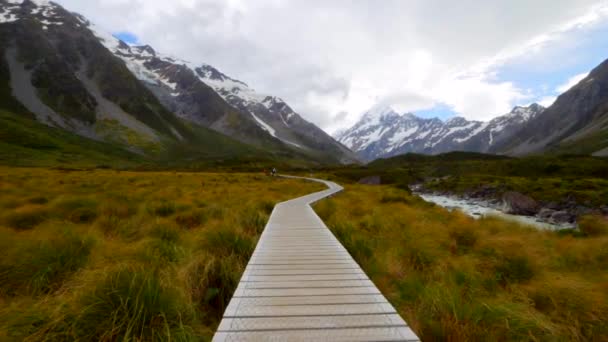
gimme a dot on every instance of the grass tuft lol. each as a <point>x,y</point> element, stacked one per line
<point>162,208</point>
<point>593,225</point>
<point>42,265</point>
<point>76,209</point>
<point>191,219</point>
<point>132,304</point>
<point>225,242</point>
<point>26,218</point>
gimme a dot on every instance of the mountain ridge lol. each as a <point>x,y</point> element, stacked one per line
<point>72,75</point>
<point>183,86</point>
<point>382,132</point>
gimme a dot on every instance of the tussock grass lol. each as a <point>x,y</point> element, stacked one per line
<point>133,304</point>
<point>40,264</point>
<point>454,278</point>
<point>26,218</point>
<point>593,225</point>
<point>140,256</point>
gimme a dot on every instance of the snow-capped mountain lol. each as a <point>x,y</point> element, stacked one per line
<point>272,114</point>
<point>501,129</point>
<point>184,88</point>
<point>382,132</point>
<point>70,74</point>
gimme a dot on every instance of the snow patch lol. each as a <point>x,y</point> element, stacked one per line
<point>109,41</point>
<point>7,17</point>
<point>372,137</point>
<point>271,130</point>
<point>401,134</point>
<point>264,125</point>
<point>168,83</point>
<point>473,133</point>
<point>453,130</point>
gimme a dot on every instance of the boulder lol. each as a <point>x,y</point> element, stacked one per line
<point>552,206</point>
<point>484,191</point>
<point>582,210</point>
<point>545,213</point>
<point>561,217</point>
<point>371,180</point>
<point>519,204</point>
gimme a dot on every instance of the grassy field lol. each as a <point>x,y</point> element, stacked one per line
<point>454,278</point>
<point>110,255</point>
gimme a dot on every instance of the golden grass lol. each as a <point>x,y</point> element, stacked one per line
<point>109,255</point>
<point>454,278</point>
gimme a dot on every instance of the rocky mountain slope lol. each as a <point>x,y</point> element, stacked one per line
<point>70,74</point>
<point>577,122</point>
<point>382,132</point>
<point>188,89</point>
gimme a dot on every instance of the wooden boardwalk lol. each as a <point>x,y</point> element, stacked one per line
<point>302,285</point>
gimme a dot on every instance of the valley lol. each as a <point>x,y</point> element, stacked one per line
<point>457,198</point>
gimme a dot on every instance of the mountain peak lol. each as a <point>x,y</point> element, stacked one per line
<point>526,113</point>
<point>379,112</point>
<point>456,121</point>
<point>208,72</point>
<point>146,49</point>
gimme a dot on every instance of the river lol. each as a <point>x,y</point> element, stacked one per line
<point>478,209</point>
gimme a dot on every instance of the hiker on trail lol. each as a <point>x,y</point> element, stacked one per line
<point>274,171</point>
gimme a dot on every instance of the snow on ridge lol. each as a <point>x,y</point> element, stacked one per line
<point>225,86</point>
<point>473,133</point>
<point>379,111</point>
<point>8,17</point>
<point>401,134</point>
<point>44,6</point>
<point>271,130</point>
<point>453,130</point>
<point>372,137</point>
<point>264,125</point>
<point>109,41</point>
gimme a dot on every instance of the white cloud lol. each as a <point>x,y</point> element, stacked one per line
<point>572,81</point>
<point>327,58</point>
<point>547,101</point>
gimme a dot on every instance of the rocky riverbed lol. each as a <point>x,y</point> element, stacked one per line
<point>513,206</point>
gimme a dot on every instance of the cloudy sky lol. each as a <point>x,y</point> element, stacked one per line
<point>333,60</point>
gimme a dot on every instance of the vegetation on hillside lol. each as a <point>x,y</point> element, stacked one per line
<point>111,255</point>
<point>26,142</point>
<point>454,278</point>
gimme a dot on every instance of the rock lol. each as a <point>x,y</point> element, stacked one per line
<point>545,213</point>
<point>519,204</point>
<point>371,180</point>
<point>582,210</point>
<point>552,206</point>
<point>561,217</point>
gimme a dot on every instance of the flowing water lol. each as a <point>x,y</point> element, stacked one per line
<point>479,209</point>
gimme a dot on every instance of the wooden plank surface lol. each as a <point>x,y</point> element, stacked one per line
<point>302,285</point>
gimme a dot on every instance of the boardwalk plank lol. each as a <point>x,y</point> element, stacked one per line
<point>301,284</point>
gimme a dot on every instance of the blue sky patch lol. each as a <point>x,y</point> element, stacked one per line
<point>440,111</point>
<point>127,37</point>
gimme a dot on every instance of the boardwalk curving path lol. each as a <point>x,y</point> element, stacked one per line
<point>302,285</point>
